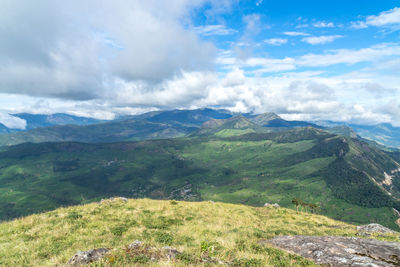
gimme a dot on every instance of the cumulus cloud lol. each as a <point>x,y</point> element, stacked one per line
<point>387,18</point>
<point>66,49</point>
<point>276,41</point>
<point>316,40</point>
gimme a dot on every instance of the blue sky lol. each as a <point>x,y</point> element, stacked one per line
<point>309,60</point>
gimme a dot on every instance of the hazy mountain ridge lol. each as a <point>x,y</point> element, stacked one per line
<point>383,133</point>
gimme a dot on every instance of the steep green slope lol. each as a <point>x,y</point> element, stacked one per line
<point>204,232</point>
<point>344,177</point>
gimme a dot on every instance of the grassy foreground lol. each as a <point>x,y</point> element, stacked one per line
<point>200,230</point>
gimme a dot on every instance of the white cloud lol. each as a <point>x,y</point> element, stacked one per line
<point>63,49</point>
<point>349,56</point>
<point>316,40</point>
<point>323,24</point>
<point>295,33</point>
<point>253,24</point>
<point>276,41</point>
<point>209,30</point>
<point>387,18</point>
<point>358,25</point>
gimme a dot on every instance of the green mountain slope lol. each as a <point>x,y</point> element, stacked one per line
<point>344,177</point>
<point>204,232</point>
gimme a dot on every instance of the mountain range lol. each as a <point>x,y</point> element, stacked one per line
<point>169,124</point>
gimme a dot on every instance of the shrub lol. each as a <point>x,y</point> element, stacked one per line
<point>119,230</point>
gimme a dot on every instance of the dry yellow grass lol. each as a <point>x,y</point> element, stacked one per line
<point>226,232</point>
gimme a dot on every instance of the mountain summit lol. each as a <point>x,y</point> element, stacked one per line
<point>235,123</point>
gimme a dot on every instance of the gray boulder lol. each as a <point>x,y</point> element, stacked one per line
<point>369,229</point>
<point>86,257</point>
<point>135,244</point>
<point>340,251</point>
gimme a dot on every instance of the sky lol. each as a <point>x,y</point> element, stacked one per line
<point>305,60</point>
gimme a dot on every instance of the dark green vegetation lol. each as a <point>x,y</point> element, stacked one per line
<point>230,162</point>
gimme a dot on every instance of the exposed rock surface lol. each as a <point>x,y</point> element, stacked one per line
<point>135,244</point>
<point>112,199</point>
<point>86,257</point>
<point>340,251</point>
<point>373,228</point>
<point>275,205</point>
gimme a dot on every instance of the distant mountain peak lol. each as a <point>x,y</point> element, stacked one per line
<point>265,118</point>
<point>238,122</point>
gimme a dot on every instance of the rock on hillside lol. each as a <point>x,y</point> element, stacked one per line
<point>86,257</point>
<point>340,251</point>
<point>374,228</point>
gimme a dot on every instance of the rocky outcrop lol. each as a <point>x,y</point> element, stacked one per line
<point>366,230</point>
<point>113,199</point>
<point>340,251</point>
<point>86,257</point>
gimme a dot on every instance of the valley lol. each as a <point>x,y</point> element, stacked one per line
<point>231,161</point>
